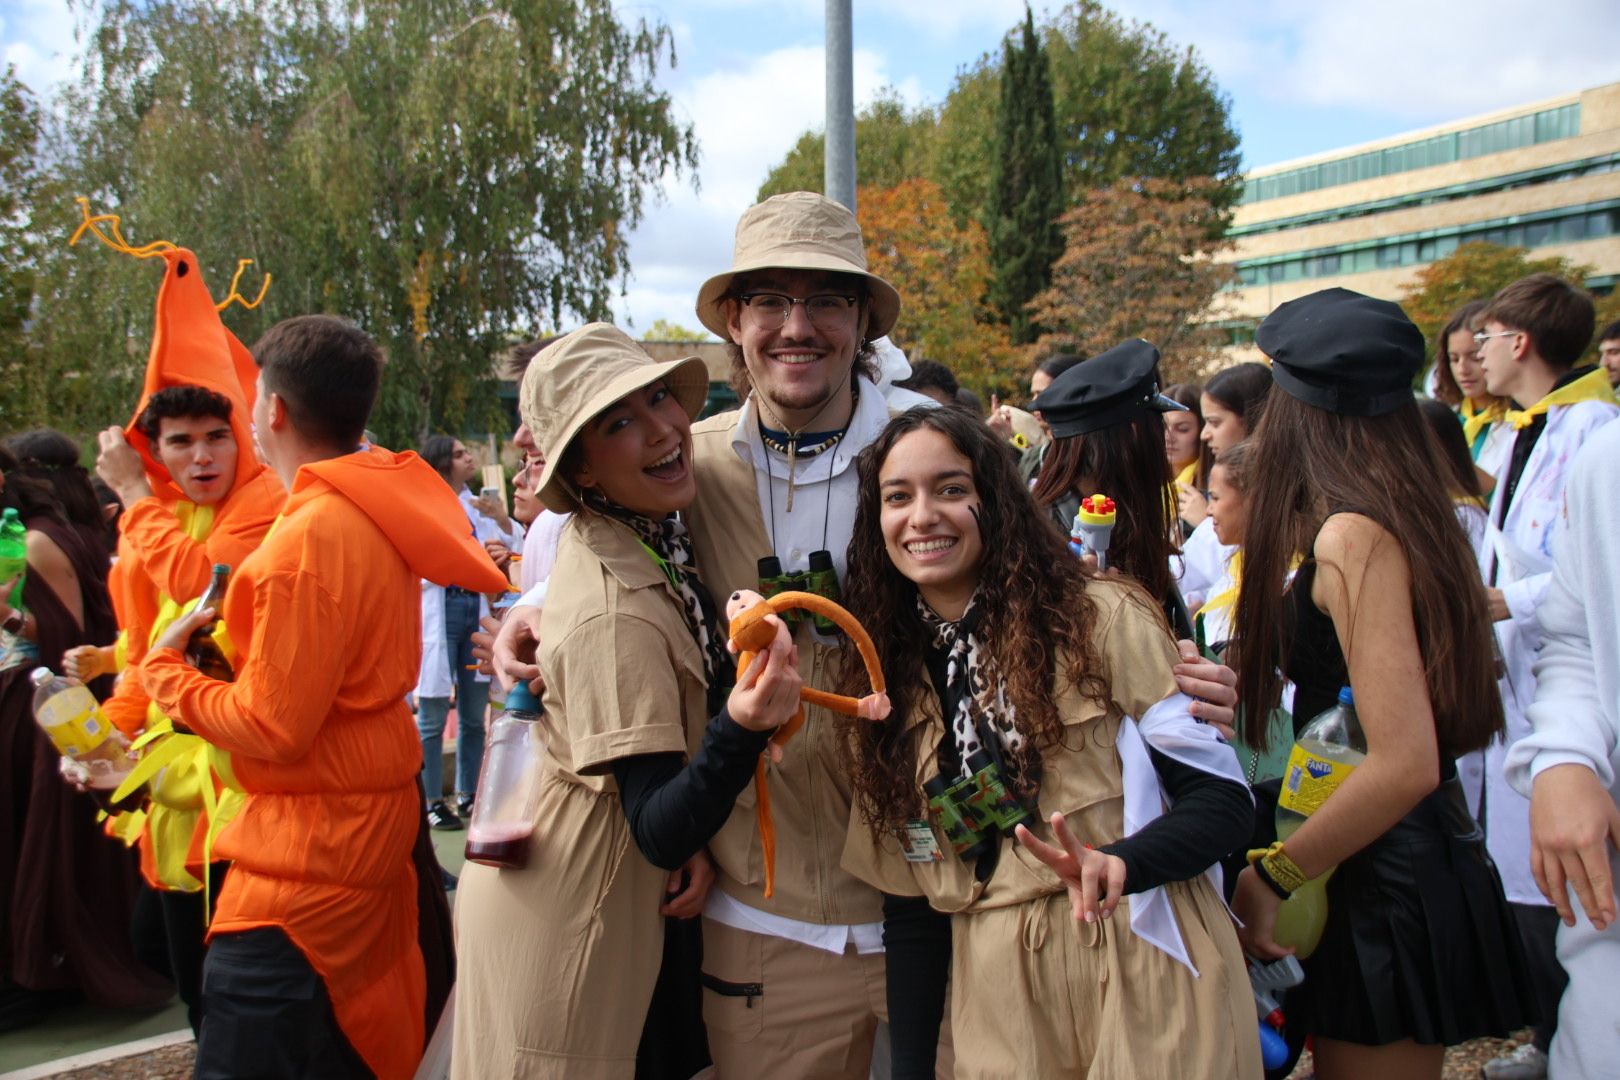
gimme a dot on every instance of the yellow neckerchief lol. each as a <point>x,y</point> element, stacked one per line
<point>1475,421</point>
<point>180,769</point>
<point>1227,598</point>
<point>1188,474</point>
<point>1593,386</point>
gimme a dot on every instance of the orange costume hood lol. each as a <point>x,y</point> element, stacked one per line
<point>192,347</point>
<point>414,508</point>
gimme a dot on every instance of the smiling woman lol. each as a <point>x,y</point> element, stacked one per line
<point>645,752</point>
<point>1033,704</point>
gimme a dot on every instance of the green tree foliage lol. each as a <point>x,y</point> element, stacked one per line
<point>892,143</point>
<point>1128,103</point>
<point>1126,272</point>
<point>448,173</point>
<point>665,330</point>
<point>941,268</point>
<point>1475,272</point>
<point>20,384</point>
<point>1026,191</point>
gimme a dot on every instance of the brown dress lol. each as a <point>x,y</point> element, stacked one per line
<point>66,889</point>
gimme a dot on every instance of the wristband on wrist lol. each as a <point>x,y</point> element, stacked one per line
<point>1277,869</point>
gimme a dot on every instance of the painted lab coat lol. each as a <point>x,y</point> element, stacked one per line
<point>1520,554</point>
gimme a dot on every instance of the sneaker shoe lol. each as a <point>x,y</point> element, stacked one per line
<point>464,804</point>
<point>442,817</point>
<point>1523,1062</point>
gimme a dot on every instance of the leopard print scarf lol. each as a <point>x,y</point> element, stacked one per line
<point>972,706</point>
<point>670,542</point>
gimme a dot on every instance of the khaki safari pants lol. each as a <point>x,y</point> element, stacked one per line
<point>778,1008</point>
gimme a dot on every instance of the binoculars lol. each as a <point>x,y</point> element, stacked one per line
<point>974,810</point>
<point>821,579</point>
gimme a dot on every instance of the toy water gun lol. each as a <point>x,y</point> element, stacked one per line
<point>1093,527</point>
<point>1268,981</point>
<point>753,631</point>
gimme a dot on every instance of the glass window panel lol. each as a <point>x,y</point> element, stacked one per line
<point>1538,233</point>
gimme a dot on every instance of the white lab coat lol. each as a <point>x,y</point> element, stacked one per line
<point>1520,555</point>
<point>1577,721</point>
<point>435,679</point>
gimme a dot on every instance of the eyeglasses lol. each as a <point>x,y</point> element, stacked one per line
<point>771,310</point>
<point>1481,336</point>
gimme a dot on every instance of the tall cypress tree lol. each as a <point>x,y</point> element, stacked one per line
<point>1026,189</point>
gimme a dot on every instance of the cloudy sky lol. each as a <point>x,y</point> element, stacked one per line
<point>1303,78</point>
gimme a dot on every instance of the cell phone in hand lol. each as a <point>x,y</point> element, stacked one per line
<point>490,493</point>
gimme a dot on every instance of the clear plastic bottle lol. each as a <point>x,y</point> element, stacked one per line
<point>202,651</point>
<point>501,828</point>
<point>1328,749</point>
<point>67,712</point>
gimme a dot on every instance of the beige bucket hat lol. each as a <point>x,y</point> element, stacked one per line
<point>799,231</point>
<point>580,374</point>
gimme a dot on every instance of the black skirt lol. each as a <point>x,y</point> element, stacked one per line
<point>1420,942</point>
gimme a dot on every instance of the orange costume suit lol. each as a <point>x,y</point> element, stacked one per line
<point>325,617</point>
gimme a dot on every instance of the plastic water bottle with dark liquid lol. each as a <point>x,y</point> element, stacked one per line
<point>501,829</point>
<point>203,651</point>
<point>1327,750</point>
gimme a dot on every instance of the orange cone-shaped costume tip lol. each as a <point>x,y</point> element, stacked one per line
<point>190,345</point>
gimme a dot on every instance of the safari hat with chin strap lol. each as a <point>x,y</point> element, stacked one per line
<point>799,231</point>
<point>576,377</point>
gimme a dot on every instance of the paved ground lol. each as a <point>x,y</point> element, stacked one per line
<point>84,1029</point>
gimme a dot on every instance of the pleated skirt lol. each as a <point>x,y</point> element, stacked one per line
<point>1420,942</point>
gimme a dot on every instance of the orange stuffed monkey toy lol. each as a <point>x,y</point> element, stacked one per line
<point>752,632</point>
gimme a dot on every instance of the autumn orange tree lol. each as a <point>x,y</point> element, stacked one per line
<point>942,269</point>
<point>1475,272</point>
<point>1138,261</point>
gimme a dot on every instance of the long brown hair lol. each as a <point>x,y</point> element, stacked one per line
<point>1445,383</point>
<point>1033,605</point>
<point>1310,463</point>
<point>1191,395</point>
<point>1126,462</point>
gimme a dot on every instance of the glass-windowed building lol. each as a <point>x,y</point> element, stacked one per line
<point>1544,176</point>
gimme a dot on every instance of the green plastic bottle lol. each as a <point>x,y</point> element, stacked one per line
<point>1327,750</point>
<point>13,554</point>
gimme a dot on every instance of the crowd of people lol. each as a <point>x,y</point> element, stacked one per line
<point>1053,852</point>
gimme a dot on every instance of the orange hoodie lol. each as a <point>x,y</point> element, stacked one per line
<point>326,617</point>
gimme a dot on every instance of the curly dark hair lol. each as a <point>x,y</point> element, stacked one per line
<point>183,400</point>
<point>1035,609</point>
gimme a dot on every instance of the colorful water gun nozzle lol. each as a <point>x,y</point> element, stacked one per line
<point>1093,527</point>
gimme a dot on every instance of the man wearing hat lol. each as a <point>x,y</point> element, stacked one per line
<point>777,480</point>
<point>775,508</point>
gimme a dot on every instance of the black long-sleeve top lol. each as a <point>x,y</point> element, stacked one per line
<point>673,805</point>
<point>1209,817</point>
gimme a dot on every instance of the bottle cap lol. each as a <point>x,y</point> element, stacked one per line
<point>1346,697</point>
<point>221,568</point>
<point>40,675</point>
<point>521,699</point>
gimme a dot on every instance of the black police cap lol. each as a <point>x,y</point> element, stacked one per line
<point>1344,352</point>
<point>1112,388</point>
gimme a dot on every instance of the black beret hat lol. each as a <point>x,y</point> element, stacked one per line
<point>1109,389</point>
<point>1344,352</point>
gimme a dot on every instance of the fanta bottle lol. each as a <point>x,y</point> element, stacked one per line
<point>1327,750</point>
<point>67,712</point>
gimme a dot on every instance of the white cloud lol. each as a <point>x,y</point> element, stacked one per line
<point>746,118</point>
<point>37,37</point>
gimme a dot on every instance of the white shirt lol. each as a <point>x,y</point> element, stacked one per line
<point>485,528</point>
